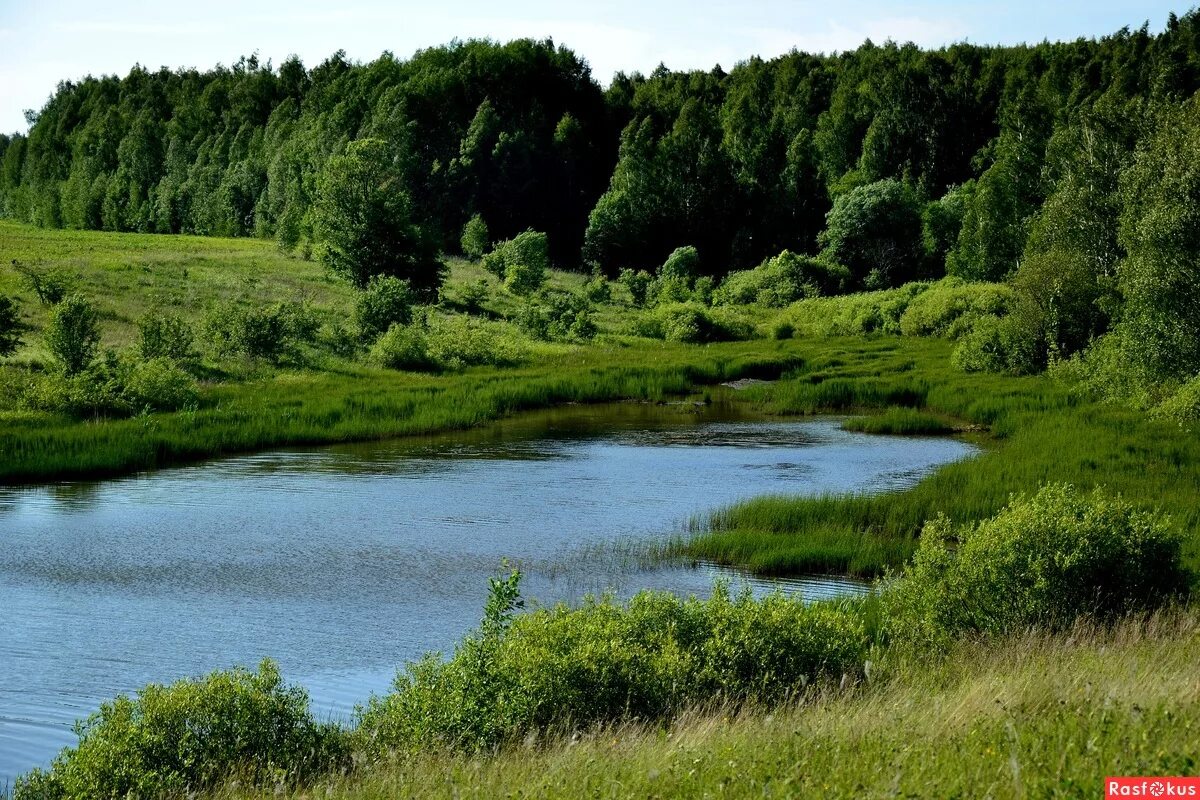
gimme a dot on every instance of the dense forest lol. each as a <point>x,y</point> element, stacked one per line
<point>1068,170</point>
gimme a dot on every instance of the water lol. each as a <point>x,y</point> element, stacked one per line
<point>341,563</point>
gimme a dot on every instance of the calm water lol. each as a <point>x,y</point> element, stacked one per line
<point>341,563</point>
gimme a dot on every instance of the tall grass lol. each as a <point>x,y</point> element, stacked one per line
<point>1033,715</point>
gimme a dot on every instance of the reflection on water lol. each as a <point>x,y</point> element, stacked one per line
<point>344,562</point>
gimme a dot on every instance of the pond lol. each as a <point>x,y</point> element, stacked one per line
<point>341,563</point>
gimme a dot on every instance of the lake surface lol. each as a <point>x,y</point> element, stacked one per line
<point>341,563</point>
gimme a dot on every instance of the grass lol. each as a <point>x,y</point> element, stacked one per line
<point>1040,431</point>
<point>1028,716</point>
<point>901,421</point>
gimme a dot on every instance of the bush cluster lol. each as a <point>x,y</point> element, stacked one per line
<point>112,387</point>
<point>275,333</point>
<point>781,281</point>
<point>190,736</point>
<point>386,301</point>
<point>605,661</point>
<point>521,262</point>
<point>1042,561</point>
<point>555,315</point>
<point>437,344</point>
<point>692,323</point>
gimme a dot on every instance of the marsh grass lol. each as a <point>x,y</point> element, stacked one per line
<point>901,421</point>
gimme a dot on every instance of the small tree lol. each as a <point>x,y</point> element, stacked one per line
<point>475,239</point>
<point>638,284</point>
<point>385,302</point>
<point>876,229</point>
<point>73,333</point>
<point>165,336</point>
<point>521,262</point>
<point>10,327</point>
<point>364,221</point>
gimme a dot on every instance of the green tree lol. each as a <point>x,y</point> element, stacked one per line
<point>475,240</point>
<point>364,221</point>
<point>385,302</point>
<point>875,231</point>
<point>73,333</point>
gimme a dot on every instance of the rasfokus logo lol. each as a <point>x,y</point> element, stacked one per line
<point>1151,787</point>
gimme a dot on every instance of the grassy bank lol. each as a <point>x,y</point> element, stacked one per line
<point>1030,716</point>
<point>1039,430</point>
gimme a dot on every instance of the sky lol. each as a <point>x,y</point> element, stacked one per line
<point>45,41</point>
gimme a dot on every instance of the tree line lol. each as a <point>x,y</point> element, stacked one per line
<point>1066,169</point>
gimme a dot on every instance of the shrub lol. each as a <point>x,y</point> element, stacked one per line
<point>475,239</point>
<point>692,323</point>
<point>683,264</point>
<point>781,281</point>
<point>996,344</point>
<point>165,336</point>
<point>73,333</point>
<point>605,662</point>
<point>445,344</point>
<point>386,301</point>
<point>159,385</point>
<point>853,314</point>
<point>10,327</point>
<point>275,332</point>
<point>556,315</point>
<point>473,295</point>
<point>521,262</point>
<point>1041,561</point>
<point>1184,405</point>
<point>597,290</point>
<point>638,284</point>
<point>191,736</point>
<point>951,306</point>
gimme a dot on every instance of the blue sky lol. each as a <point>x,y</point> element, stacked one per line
<point>45,41</point>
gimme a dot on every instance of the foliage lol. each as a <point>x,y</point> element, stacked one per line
<point>853,314</point>
<point>445,343</point>
<point>597,290</point>
<point>475,240</point>
<point>950,307</point>
<point>557,316</point>
<point>385,301</point>
<point>997,344</point>
<point>73,334</point>
<point>164,335</point>
<point>781,281</point>
<point>604,661</point>
<point>638,284</point>
<point>10,327</point>
<point>364,221</point>
<point>876,228</point>
<point>193,735</point>
<point>1044,560</point>
<point>275,333</point>
<point>521,262</point>
<point>692,323</point>
<point>941,221</point>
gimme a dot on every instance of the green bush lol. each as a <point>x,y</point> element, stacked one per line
<point>158,384</point>
<point>597,290</point>
<point>275,332</point>
<point>683,264</point>
<point>112,387</point>
<point>555,315</point>
<point>951,306</point>
<point>638,284</point>
<point>781,281</point>
<point>73,334</point>
<point>162,335</point>
<point>692,323</point>
<point>853,314</point>
<point>191,736</point>
<point>386,301</point>
<point>445,343</point>
<point>51,286</point>
<point>605,662</point>
<point>475,239</point>
<point>473,295</point>
<point>10,327</point>
<point>876,228</point>
<point>996,344</point>
<point>521,262</point>
<point>1041,561</point>
<point>1184,405</point>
